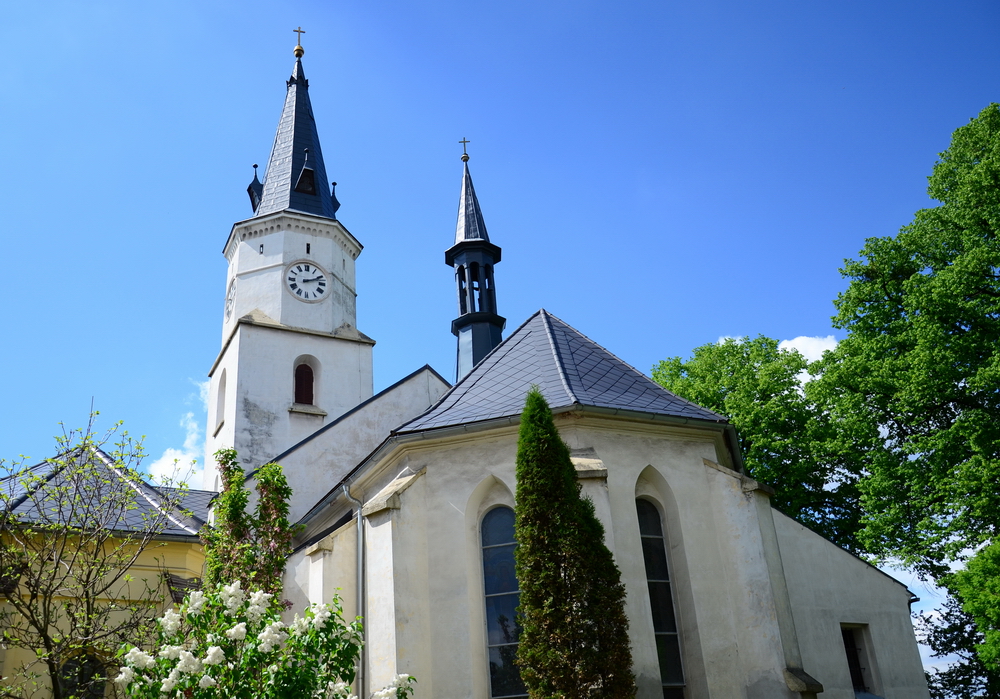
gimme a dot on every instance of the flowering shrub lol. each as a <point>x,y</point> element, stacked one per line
<point>228,644</point>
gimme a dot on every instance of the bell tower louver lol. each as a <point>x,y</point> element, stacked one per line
<point>478,327</point>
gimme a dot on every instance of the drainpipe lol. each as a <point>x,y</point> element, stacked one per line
<point>360,590</point>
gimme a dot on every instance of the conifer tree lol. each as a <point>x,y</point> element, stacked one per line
<point>574,639</point>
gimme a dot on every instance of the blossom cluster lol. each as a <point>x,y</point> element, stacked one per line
<point>229,642</point>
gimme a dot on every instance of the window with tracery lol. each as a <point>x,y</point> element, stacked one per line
<point>661,600</point>
<point>502,596</point>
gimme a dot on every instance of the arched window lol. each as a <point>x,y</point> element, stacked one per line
<point>654,554</point>
<point>502,597</point>
<point>82,677</point>
<point>220,400</point>
<point>304,384</point>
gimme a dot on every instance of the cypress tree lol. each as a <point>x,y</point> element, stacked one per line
<point>574,639</point>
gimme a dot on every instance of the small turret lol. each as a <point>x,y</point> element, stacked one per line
<point>478,327</point>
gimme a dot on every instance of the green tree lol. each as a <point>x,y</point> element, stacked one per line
<point>788,441</point>
<point>952,634</point>
<point>72,531</point>
<point>244,546</point>
<point>574,638</point>
<point>917,380</point>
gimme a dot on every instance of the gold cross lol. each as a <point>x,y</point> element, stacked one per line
<point>300,31</point>
<point>463,142</point>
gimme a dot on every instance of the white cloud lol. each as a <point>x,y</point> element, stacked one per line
<point>179,464</point>
<point>812,348</point>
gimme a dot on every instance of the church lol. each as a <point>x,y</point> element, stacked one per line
<point>405,497</point>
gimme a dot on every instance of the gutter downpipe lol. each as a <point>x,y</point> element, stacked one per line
<point>361,589</point>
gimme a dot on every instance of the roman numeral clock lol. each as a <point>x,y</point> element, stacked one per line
<point>306,280</point>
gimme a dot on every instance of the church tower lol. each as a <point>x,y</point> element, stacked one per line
<point>478,327</point>
<point>292,358</point>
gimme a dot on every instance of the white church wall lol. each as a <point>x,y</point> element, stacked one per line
<point>731,642</point>
<point>321,463</point>
<point>830,588</point>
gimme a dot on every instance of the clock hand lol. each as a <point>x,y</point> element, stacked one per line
<point>314,279</point>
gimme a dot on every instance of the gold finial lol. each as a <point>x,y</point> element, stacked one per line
<point>465,153</point>
<point>298,44</point>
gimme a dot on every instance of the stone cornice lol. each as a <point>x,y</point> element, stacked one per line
<point>295,221</point>
<point>345,334</point>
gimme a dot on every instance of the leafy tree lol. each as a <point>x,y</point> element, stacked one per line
<point>574,638</point>
<point>249,547</point>
<point>917,379</point>
<point>71,530</point>
<point>788,441</point>
<point>952,635</point>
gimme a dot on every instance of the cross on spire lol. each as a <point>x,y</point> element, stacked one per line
<point>300,31</point>
<point>465,153</point>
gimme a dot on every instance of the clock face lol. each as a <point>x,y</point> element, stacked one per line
<point>230,299</point>
<point>306,281</point>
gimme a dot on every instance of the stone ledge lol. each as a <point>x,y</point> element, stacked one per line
<point>587,463</point>
<point>388,497</point>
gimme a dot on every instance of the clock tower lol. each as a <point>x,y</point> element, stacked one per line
<point>292,358</point>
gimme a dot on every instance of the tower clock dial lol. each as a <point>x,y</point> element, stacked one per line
<point>230,299</point>
<point>306,281</point>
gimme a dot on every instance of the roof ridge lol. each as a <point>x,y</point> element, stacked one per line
<point>558,357</point>
<point>142,489</point>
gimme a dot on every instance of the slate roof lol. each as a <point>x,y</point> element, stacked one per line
<point>471,225</point>
<point>569,368</point>
<point>45,494</point>
<point>296,133</point>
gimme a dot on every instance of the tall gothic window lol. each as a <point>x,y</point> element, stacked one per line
<point>654,554</point>
<point>304,384</point>
<point>502,596</point>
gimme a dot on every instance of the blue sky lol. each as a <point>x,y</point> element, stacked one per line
<point>659,174</point>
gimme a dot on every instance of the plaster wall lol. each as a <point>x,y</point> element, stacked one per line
<point>829,587</point>
<point>262,418</point>
<point>426,561</point>
<point>318,465</point>
<point>259,275</point>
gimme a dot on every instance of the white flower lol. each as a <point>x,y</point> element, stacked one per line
<point>299,625</point>
<point>259,599</point>
<point>188,663</point>
<point>232,597</point>
<point>205,682</point>
<point>321,612</point>
<point>126,676</point>
<point>171,681</point>
<point>195,601</point>
<point>170,622</point>
<point>210,638</point>
<point>139,659</point>
<point>238,632</point>
<point>170,652</point>
<point>271,636</point>
<point>214,656</point>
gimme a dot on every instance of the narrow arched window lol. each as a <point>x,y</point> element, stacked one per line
<point>654,554</point>
<point>304,384</point>
<point>220,400</point>
<point>83,677</point>
<point>502,595</point>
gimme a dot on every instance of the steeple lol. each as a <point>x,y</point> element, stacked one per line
<point>478,327</point>
<point>296,176</point>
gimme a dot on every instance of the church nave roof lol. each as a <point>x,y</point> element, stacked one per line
<point>569,369</point>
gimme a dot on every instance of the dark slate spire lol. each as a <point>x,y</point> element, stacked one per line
<point>470,217</point>
<point>478,327</point>
<point>296,176</point>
